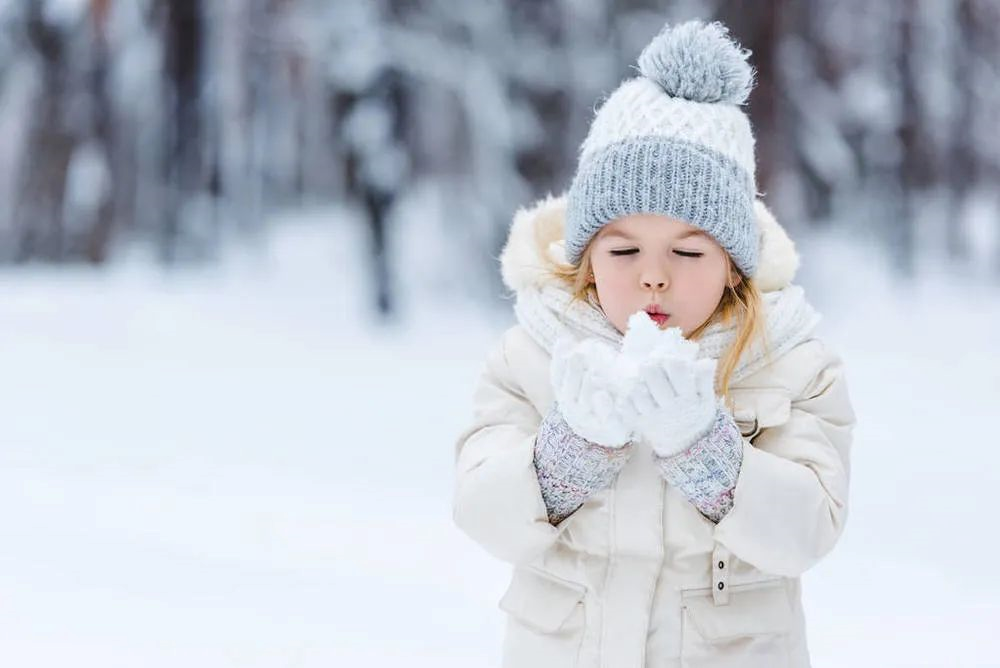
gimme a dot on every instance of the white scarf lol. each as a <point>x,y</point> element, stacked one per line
<point>549,312</point>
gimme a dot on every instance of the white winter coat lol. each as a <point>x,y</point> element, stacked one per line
<point>638,577</point>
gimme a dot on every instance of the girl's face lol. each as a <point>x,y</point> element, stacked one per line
<point>650,260</point>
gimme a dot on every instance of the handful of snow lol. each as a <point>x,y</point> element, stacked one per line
<point>594,384</point>
<point>643,339</point>
<point>644,342</point>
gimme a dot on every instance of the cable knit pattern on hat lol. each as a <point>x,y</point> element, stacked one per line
<point>672,177</point>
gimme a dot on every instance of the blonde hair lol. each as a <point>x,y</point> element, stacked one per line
<point>741,303</point>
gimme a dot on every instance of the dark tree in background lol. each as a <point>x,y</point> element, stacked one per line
<point>377,165</point>
<point>184,160</point>
<point>98,219</point>
<point>51,139</point>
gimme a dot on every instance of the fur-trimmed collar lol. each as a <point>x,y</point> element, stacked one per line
<point>521,266</point>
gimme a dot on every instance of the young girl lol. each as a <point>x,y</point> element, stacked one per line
<point>660,446</point>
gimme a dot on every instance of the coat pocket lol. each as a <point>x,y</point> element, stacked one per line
<point>756,409</point>
<point>546,620</point>
<point>752,630</point>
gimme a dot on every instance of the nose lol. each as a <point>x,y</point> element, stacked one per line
<point>654,278</point>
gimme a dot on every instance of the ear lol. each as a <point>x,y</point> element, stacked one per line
<point>734,278</point>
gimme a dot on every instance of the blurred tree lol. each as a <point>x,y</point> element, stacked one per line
<point>38,220</point>
<point>377,166</point>
<point>97,220</point>
<point>185,167</point>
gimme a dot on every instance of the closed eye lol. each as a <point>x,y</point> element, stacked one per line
<point>633,251</point>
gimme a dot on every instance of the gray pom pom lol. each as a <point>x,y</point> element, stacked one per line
<point>699,62</point>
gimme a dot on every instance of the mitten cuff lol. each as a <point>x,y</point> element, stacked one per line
<point>570,468</point>
<point>706,472</point>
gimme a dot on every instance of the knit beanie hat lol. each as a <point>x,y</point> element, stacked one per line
<point>673,141</point>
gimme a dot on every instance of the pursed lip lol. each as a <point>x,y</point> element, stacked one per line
<point>654,309</point>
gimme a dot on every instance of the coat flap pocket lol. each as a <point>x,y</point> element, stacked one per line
<point>540,600</point>
<point>768,406</point>
<point>754,611</point>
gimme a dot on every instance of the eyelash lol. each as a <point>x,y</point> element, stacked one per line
<point>633,251</point>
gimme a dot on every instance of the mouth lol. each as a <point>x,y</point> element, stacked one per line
<point>654,313</point>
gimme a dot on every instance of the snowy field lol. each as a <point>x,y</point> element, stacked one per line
<point>233,467</point>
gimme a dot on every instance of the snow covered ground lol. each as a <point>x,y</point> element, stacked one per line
<point>234,467</point>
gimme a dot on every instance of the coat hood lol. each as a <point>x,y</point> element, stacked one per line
<point>521,265</point>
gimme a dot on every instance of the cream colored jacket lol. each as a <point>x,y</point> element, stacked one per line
<point>637,576</point>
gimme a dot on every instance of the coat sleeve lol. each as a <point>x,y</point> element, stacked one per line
<point>497,500</point>
<point>791,497</point>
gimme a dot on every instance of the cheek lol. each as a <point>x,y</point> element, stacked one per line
<point>614,288</point>
<point>605,271</point>
<point>713,287</point>
<point>612,277</point>
<point>704,286</point>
